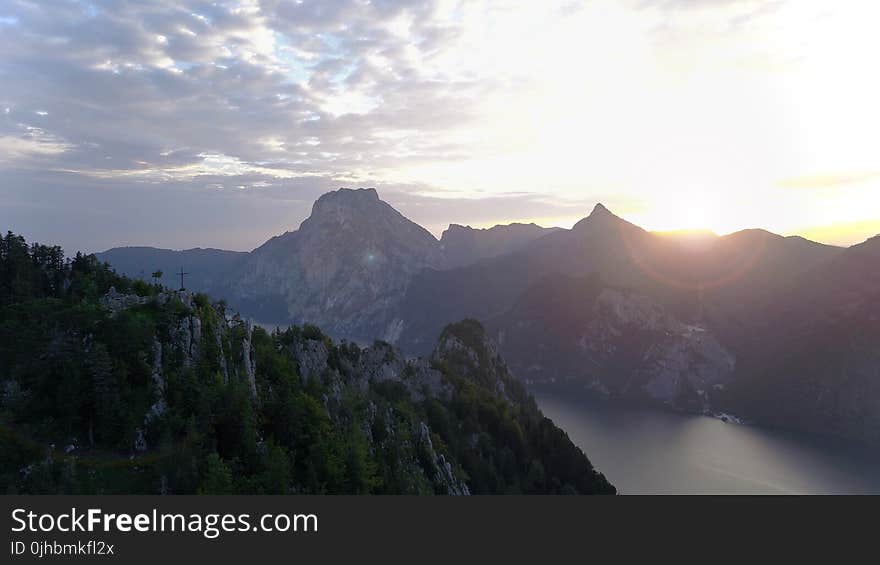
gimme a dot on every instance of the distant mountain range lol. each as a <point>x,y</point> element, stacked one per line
<point>203,266</point>
<point>345,269</point>
<point>775,329</point>
<point>463,245</point>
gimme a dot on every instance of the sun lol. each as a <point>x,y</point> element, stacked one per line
<point>686,211</point>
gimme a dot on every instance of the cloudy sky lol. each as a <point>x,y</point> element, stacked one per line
<point>185,124</point>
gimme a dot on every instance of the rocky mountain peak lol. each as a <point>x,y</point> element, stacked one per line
<point>348,195</point>
<point>345,267</point>
<point>601,217</point>
<point>347,205</point>
<point>456,228</point>
<point>359,218</point>
<point>467,334</point>
<point>466,349</point>
<point>600,210</point>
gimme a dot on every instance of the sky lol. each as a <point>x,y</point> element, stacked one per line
<point>217,124</point>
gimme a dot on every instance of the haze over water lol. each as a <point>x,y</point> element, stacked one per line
<point>649,451</point>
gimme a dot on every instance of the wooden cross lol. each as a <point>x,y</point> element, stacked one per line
<point>181,273</point>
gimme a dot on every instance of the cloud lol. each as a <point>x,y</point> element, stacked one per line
<point>482,110</point>
<point>32,143</point>
<point>231,95</point>
<point>147,88</point>
<point>830,180</point>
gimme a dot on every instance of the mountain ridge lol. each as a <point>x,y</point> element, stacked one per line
<point>716,300</point>
<point>151,391</point>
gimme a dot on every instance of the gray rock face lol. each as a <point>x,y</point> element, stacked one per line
<point>377,364</point>
<point>247,358</point>
<point>187,339</point>
<point>159,406</point>
<point>424,381</point>
<point>679,358</point>
<point>184,296</point>
<point>186,335</point>
<point>442,469</point>
<point>311,354</point>
<point>116,301</point>
<point>381,362</point>
<point>218,344</point>
<point>466,350</point>
<point>619,343</point>
<point>345,269</point>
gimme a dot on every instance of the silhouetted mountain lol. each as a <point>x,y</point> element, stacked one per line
<point>745,270</point>
<point>708,285</point>
<point>205,266</point>
<point>463,245</point>
<point>489,287</point>
<point>813,362</point>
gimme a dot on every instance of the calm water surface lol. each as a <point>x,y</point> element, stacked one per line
<point>647,451</point>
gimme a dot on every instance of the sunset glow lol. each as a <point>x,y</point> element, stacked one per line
<point>709,115</point>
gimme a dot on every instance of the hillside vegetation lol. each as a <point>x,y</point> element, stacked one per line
<point>109,385</point>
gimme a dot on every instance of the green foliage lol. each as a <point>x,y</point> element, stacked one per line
<point>504,443</point>
<point>82,410</point>
<point>216,476</point>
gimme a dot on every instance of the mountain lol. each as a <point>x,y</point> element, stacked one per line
<point>777,329</point>
<point>343,269</point>
<point>707,284</point>
<point>744,272</point>
<point>112,385</point>
<point>360,269</point>
<point>581,332</point>
<point>346,268</point>
<point>204,266</point>
<point>813,362</point>
<point>489,287</point>
<point>463,245</point>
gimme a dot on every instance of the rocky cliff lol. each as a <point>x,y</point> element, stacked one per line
<point>114,386</point>
<point>619,343</point>
<point>344,269</point>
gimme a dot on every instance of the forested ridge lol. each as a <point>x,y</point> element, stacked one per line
<point>113,385</point>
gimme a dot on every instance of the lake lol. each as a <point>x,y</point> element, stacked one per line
<point>651,451</point>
